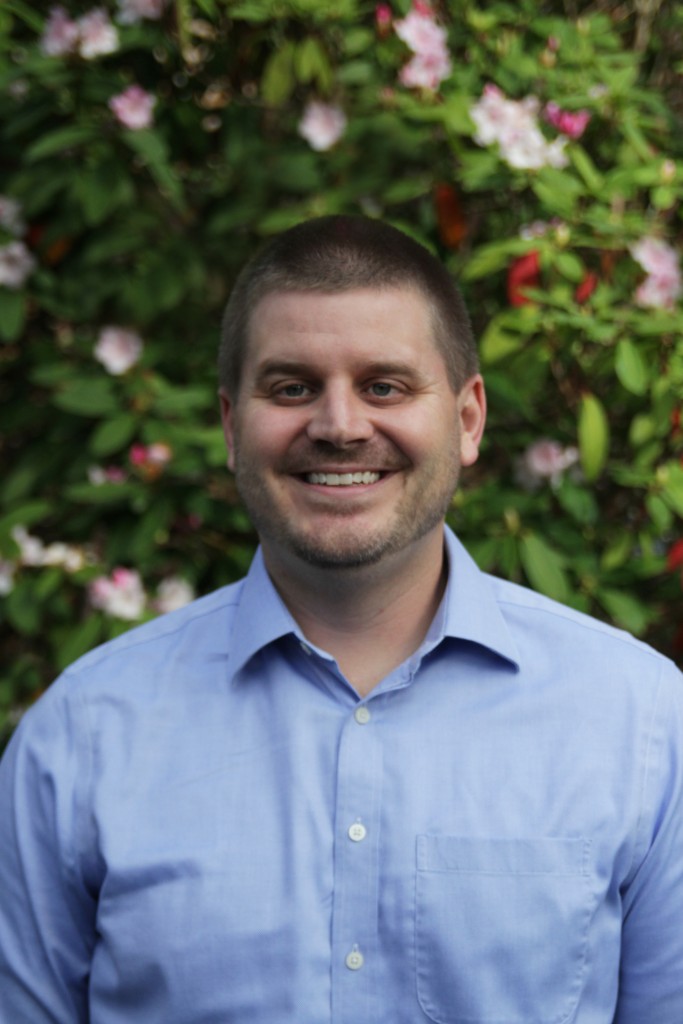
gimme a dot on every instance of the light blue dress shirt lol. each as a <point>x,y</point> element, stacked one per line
<point>202,823</point>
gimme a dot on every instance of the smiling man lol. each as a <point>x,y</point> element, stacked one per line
<point>368,784</point>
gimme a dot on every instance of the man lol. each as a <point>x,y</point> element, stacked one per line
<point>368,784</point>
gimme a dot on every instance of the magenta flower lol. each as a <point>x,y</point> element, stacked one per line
<point>133,107</point>
<point>570,123</point>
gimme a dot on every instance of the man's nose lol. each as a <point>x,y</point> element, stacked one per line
<point>340,417</point>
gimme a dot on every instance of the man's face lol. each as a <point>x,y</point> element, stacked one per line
<point>346,438</point>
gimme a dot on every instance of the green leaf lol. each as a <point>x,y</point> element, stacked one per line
<point>278,79</point>
<point>626,610</point>
<point>71,136</point>
<point>79,640</point>
<point>543,567</point>
<point>25,515</point>
<point>497,343</point>
<point>630,367</point>
<point>586,168</point>
<point>672,487</point>
<point>22,609</point>
<point>618,552</point>
<point>87,398</point>
<point>112,435</point>
<point>12,314</point>
<point>152,149</point>
<point>593,434</point>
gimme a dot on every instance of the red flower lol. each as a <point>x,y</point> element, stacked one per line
<point>524,272</point>
<point>587,286</point>
<point>674,559</point>
<point>450,216</point>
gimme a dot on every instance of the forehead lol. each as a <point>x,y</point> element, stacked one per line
<point>354,324</point>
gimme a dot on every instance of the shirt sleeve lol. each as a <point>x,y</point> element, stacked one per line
<point>651,975</point>
<point>47,909</point>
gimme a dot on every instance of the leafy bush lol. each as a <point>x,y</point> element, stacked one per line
<point>149,146</point>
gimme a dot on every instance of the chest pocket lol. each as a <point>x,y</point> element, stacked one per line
<point>501,928</point>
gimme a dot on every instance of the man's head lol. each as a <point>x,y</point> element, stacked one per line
<point>338,254</point>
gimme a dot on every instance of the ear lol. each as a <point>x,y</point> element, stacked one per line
<point>228,421</point>
<point>472,410</point>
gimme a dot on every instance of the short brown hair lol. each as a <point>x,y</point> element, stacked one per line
<point>336,254</point>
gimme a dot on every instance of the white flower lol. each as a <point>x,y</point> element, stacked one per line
<point>173,593</point>
<point>662,286</point>
<point>133,107</point>
<point>117,349</point>
<point>513,125</point>
<point>431,62</point>
<point>10,216</point>
<point>16,264</point>
<point>64,555</point>
<point>60,35</point>
<point>120,595</point>
<point>322,125</point>
<point>7,570</point>
<point>132,11</point>
<point>97,35</point>
<point>544,460</point>
<point>31,549</point>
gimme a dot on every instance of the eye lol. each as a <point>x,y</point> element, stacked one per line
<point>292,391</point>
<point>382,389</point>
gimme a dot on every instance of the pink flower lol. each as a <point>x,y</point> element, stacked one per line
<point>132,11</point>
<point>572,124</point>
<point>425,71</point>
<point>133,107</point>
<point>383,17</point>
<point>662,286</point>
<point>60,35</point>
<point>431,62</point>
<point>512,124</point>
<point>121,594</point>
<point>322,125</point>
<point>99,475</point>
<point>542,461</point>
<point>31,549</point>
<point>117,349</point>
<point>150,459</point>
<point>16,264</point>
<point>173,593</point>
<point>97,35</point>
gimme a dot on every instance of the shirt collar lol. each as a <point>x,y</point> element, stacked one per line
<point>470,607</point>
<point>469,611</point>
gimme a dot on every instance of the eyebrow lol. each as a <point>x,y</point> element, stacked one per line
<point>297,368</point>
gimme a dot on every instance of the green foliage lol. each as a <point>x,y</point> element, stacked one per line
<point>144,229</point>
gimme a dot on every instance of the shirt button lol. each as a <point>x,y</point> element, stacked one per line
<point>354,960</point>
<point>357,832</point>
<point>362,715</point>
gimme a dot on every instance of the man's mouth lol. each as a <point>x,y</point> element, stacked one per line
<point>342,479</point>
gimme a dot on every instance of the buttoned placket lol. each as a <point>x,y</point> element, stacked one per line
<point>356,860</point>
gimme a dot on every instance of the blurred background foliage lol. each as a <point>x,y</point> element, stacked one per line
<point>148,147</point>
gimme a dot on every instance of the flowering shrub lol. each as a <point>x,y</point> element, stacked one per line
<point>150,145</point>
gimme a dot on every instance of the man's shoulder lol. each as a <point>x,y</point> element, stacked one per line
<point>535,619</point>
<point>198,630</point>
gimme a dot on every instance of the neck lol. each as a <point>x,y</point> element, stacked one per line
<point>370,619</point>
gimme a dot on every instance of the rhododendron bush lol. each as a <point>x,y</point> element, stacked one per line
<point>148,146</point>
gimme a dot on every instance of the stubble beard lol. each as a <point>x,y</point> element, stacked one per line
<point>336,547</point>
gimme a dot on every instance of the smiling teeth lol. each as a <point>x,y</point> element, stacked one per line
<point>342,479</point>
